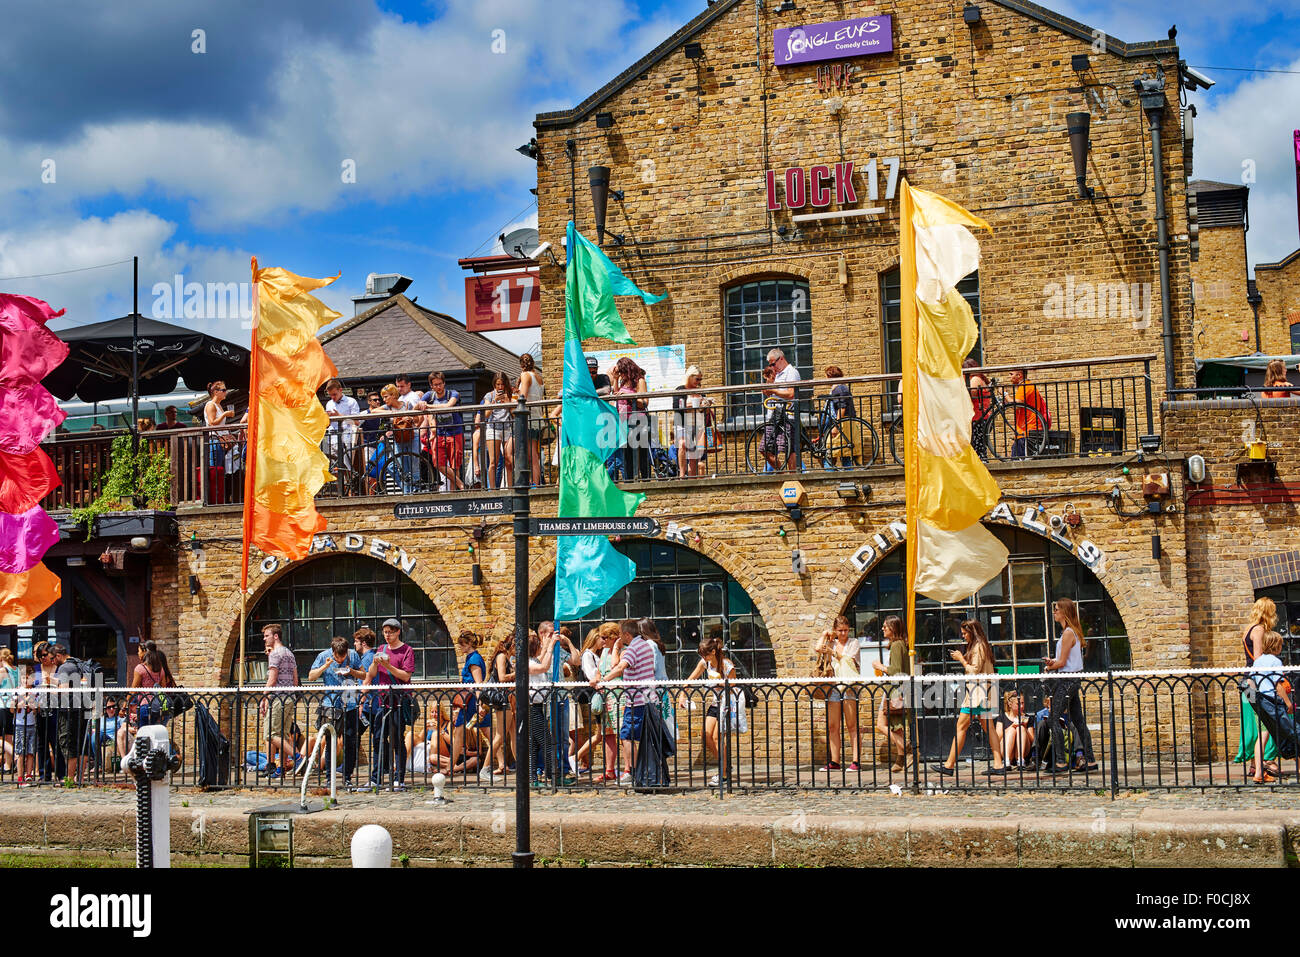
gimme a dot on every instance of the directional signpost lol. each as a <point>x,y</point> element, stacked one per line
<point>594,526</point>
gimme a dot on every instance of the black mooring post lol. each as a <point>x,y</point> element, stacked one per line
<point>523,855</point>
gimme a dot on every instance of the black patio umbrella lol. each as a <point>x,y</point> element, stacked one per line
<point>98,366</point>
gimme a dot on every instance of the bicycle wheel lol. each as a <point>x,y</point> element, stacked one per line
<point>756,461</point>
<point>896,445</point>
<point>848,443</point>
<point>1015,431</point>
<point>412,473</point>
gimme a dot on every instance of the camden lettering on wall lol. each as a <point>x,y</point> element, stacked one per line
<point>353,542</point>
<point>1084,550</point>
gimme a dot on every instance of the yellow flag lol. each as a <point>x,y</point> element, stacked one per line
<point>950,554</point>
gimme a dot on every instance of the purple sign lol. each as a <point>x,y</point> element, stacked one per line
<point>834,41</point>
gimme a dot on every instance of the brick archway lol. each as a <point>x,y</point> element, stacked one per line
<point>259,584</point>
<point>745,574</point>
<point>849,580</point>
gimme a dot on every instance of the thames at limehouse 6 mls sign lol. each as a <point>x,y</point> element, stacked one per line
<point>834,41</point>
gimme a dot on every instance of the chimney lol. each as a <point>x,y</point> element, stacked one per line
<point>379,288</point>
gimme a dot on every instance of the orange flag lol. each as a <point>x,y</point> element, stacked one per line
<point>286,423</point>
<point>27,594</point>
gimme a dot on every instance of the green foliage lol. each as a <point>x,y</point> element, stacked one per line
<point>144,474</point>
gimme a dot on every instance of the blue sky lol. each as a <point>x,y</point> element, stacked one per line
<point>194,161</point>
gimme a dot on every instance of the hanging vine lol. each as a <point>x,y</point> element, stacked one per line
<point>144,475</point>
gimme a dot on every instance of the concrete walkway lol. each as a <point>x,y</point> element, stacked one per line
<point>796,828</point>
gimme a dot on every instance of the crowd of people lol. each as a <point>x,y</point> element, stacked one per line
<point>61,737</point>
<point>410,438</point>
<point>606,724</point>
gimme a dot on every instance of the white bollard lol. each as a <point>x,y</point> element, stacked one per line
<point>372,846</point>
<point>160,836</point>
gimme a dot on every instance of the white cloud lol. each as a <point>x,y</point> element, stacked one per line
<point>1254,124</point>
<point>418,108</point>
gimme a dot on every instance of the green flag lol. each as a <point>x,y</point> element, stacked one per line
<point>588,568</point>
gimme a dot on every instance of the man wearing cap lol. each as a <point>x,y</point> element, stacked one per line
<point>393,664</point>
<point>601,382</point>
<point>688,423</point>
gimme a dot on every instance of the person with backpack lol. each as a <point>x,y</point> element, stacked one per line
<point>152,672</point>
<point>72,723</point>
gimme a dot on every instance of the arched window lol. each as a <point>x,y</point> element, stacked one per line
<point>760,316</point>
<point>1287,599</point>
<point>891,315</point>
<point>336,595</point>
<point>688,596</point>
<point>1015,609</point>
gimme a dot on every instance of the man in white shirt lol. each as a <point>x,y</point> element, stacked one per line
<point>779,426</point>
<point>409,398</point>
<point>341,436</point>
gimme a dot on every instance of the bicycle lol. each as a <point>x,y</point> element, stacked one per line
<point>832,441</point>
<point>1008,431</point>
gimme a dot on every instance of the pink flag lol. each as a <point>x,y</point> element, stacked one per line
<point>27,349</point>
<point>25,538</point>
<point>28,353</point>
<point>28,413</point>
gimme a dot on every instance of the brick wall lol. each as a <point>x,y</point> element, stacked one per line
<point>1279,287</point>
<point>1228,524</point>
<point>1222,313</point>
<point>737,521</point>
<point>978,116</point>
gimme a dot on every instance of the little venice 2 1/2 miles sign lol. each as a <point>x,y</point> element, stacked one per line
<point>834,41</point>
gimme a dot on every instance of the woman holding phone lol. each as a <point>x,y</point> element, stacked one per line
<point>977,700</point>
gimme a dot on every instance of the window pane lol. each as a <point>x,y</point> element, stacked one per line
<point>761,316</point>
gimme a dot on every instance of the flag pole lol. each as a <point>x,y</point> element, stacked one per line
<point>250,468</point>
<point>911,454</point>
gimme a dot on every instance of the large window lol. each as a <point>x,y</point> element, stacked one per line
<point>688,596</point>
<point>765,315</point>
<point>1287,599</point>
<point>1015,609</point>
<point>891,313</point>
<point>336,596</point>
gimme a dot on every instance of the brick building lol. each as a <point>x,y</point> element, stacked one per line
<point>1222,290</point>
<point>761,198</point>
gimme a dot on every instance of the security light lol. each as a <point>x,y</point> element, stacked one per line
<point>604,121</point>
<point>1080,62</point>
<point>971,14</point>
<point>693,51</point>
<point>529,149</point>
<point>1149,443</point>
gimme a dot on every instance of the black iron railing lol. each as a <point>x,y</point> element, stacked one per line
<point>1107,731</point>
<point>1090,407</point>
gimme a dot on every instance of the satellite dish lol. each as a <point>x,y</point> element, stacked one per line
<point>520,243</point>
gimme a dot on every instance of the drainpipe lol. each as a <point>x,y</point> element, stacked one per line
<point>1152,93</point>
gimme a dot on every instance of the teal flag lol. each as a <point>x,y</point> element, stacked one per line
<point>589,570</point>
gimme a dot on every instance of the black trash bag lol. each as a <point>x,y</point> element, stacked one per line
<point>657,746</point>
<point>213,747</point>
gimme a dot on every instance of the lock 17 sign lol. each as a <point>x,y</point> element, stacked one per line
<point>503,300</point>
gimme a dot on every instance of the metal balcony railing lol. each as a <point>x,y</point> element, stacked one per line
<point>1073,408</point>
